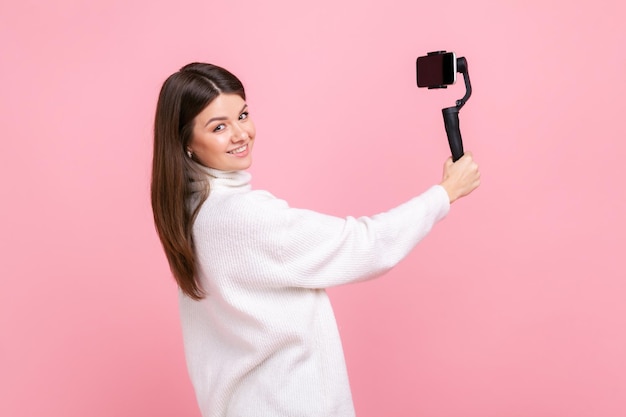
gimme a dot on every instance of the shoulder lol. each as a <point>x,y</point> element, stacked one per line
<point>258,201</point>
<point>241,209</point>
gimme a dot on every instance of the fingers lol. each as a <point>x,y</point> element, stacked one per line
<point>466,159</point>
<point>467,163</point>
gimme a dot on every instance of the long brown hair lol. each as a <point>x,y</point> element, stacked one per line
<point>183,96</point>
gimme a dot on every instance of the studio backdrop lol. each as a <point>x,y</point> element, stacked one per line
<point>513,306</point>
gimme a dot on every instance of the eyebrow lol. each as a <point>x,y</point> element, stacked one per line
<point>213,119</point>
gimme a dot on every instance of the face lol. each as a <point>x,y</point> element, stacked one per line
<point>223,134</point>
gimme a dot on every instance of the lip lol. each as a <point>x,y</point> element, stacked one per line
<point>242,154</point>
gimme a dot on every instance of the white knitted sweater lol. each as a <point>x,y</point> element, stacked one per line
<point>264,342</point>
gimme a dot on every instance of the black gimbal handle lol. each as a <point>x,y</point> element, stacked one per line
<point>451,121</point>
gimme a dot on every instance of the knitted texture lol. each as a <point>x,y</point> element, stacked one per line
<point>264,342</point>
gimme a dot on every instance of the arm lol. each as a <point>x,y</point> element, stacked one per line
<point>328,251</point>
<point>323,251</point>
<point>258,240</point>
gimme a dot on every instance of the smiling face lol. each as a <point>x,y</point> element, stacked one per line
<point>223,134</point>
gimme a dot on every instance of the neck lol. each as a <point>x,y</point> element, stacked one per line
<point>224,180</point>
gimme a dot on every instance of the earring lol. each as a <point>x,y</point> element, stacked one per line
<point>189,154</point>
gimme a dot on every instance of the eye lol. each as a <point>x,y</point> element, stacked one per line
<point>219,127</point>
<point>243,115</point>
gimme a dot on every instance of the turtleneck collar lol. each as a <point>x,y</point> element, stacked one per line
<point>221,180</point>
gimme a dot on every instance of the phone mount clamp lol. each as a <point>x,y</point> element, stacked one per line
<point>451,114</point>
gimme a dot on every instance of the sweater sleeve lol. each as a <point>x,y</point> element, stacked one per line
<point>332,251</point>
<point>277,245</point>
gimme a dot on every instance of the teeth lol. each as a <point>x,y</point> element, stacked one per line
<point>239,150</point>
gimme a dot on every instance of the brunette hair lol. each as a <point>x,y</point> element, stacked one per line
<point>183,96</point>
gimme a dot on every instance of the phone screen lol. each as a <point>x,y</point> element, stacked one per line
<point>436,70</point>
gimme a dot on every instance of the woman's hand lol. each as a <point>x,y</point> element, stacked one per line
<point>461,177</point>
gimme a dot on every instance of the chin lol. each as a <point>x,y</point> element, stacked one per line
<point>247,165</point>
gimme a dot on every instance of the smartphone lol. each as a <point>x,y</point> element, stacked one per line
<point>436,70</point>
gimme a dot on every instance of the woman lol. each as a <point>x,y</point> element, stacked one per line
<point>259,332</point>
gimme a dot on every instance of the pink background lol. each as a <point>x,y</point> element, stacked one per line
<point>514,306</point>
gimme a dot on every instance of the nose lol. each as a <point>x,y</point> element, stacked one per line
<point>239,133</point>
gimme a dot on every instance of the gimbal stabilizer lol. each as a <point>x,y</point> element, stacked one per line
<point>451,114</point>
